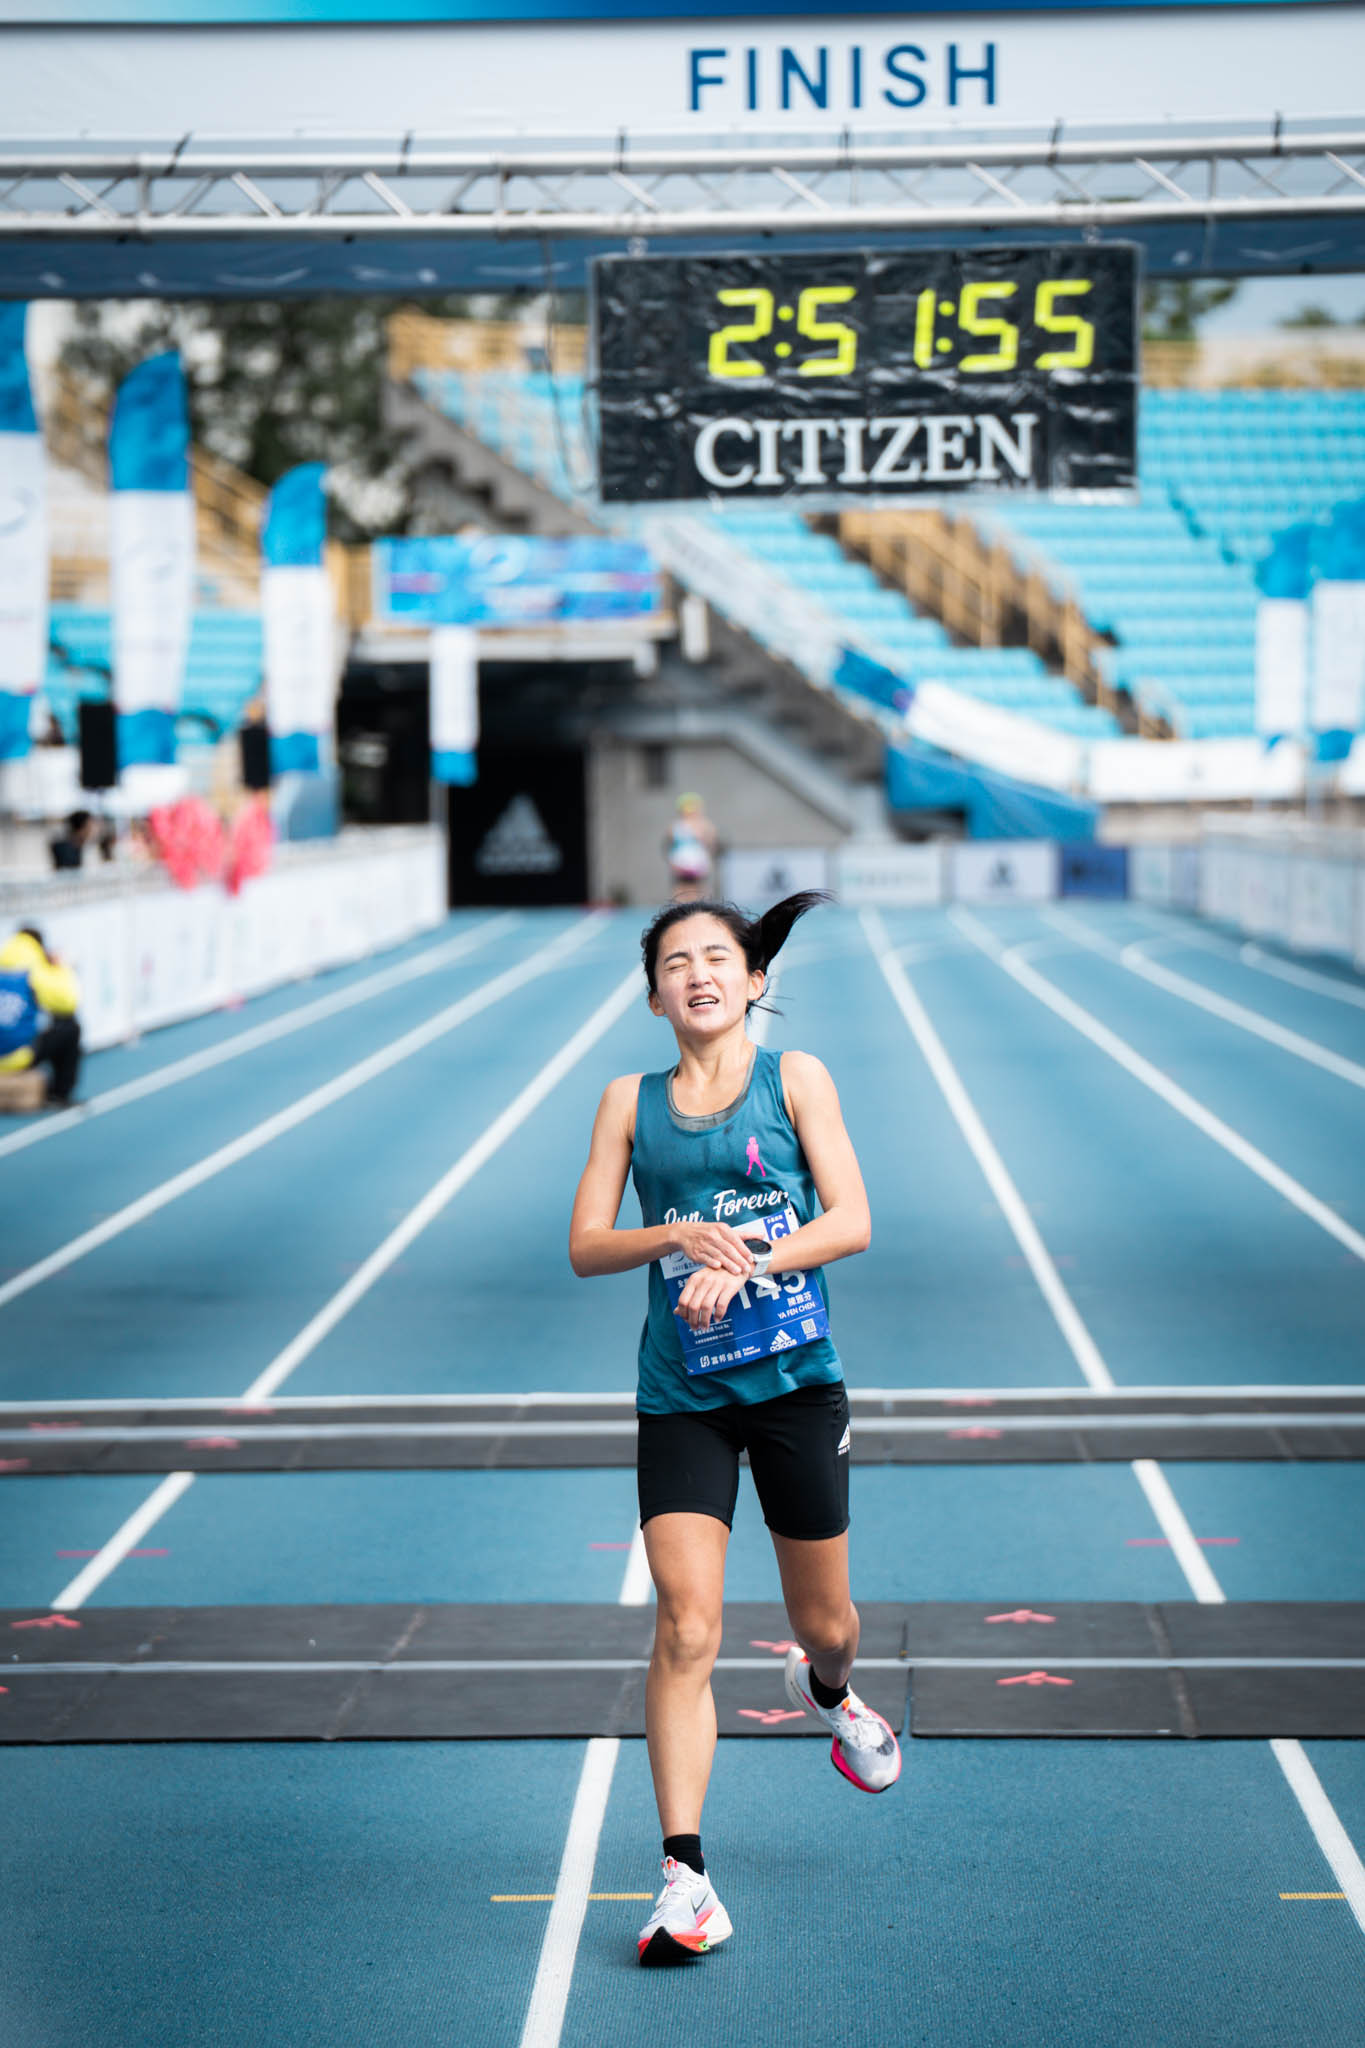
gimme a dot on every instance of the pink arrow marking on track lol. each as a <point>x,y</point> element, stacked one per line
<point>250,1408</point>
<point>212,1443</point>
<point>976,1430</point>
<point>770,1716</point>
<point>14,1464</point>
<point>47,1621</point>
<point>54,1425</point>
<point>969,1401</point>
<point>778,1649</point>
<point>1021,1614</point>
<point>1035,1678</point>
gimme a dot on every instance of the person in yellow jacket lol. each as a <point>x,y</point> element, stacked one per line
<point>39,997</point>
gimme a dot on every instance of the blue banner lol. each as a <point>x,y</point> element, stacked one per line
<point>149,436</point>
<point>295,530</point>
<point>16,397</point>
<point>512,580</point>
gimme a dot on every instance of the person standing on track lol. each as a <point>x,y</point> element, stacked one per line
<point>735,1355</point>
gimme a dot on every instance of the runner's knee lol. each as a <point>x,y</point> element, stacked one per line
<point>686,1638</point>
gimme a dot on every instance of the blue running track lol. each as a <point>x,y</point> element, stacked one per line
<point>1074,1894</point>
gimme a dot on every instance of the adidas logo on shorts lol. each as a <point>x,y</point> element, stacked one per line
<point>782,1342</point>
<point>845,1440</point>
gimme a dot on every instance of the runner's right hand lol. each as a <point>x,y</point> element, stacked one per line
<point>715,1244</point>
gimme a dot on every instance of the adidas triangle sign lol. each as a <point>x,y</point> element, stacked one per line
<point>518,844</point>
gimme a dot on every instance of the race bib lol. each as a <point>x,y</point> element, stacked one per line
<point>765,1318</point>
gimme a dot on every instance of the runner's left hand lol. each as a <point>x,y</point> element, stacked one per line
<point>706,1296</point>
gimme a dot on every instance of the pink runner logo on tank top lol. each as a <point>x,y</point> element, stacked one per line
<point>754,1161</point>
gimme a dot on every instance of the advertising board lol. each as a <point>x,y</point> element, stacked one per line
<point>511,580</point>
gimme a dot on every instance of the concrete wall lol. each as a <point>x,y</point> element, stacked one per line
<point>629,815</point>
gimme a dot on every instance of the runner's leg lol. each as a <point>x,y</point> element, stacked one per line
<point>819,1607</point>
<point>686,1555</point>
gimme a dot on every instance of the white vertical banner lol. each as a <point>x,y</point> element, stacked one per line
<point>23,582</point>
<point>1281,665</point>
<point>1337,700</point>
<point>454,657</point>
<point>299,629</point>
<point>151,585</point>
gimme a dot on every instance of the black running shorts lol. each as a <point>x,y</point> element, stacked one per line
<point>798,1452</point>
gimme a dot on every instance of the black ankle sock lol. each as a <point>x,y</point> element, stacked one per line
<point>826,1695</point>
<point>685,1849</point>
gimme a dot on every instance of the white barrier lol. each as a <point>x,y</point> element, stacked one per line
<point>897,877</point>
<point>1003,871</point>
<point>1302,886</point>
<point>155,955</point>
<point>758,876</point>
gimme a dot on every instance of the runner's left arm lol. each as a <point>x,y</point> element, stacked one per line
<point>845,1226</point>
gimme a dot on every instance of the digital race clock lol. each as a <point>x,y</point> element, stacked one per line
<point>876,374</point>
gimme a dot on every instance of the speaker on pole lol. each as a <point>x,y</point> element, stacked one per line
<point>99,754</point>
<point>254,739</point>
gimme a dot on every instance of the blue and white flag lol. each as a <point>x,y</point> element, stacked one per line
<point>1284,580</point>
<point>298,617</point>
<point>23,540</point>
<point>454,704</point>
<point>1337,693</point>
<point>151,556</point>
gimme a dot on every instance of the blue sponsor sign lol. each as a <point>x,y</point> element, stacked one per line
<point>1094,870</point>
<point>511,580</point>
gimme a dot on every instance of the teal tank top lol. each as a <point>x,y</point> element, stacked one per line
<point>743,1165</point>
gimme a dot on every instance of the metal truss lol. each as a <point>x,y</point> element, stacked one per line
<point>196,190</point>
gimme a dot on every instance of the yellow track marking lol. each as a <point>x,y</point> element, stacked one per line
<point>1312,1895</point>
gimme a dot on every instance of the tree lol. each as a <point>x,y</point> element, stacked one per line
<point>1310,316</point>
<point>1172,307</point>
<point>271,383</point>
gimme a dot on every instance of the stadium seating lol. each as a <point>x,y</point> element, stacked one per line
<point>1172,579</point>
<point>223,670</point>
<point>536,423</point>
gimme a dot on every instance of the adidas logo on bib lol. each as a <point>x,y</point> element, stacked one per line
<point>782,1342</point>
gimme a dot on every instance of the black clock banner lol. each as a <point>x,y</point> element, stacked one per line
<point>866,373</point>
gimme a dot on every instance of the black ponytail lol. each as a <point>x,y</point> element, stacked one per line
<point>762,938</point>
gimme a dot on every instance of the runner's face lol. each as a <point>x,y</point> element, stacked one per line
<point>703,986</point>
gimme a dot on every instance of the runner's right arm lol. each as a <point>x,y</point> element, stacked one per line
<point>596,1246</point>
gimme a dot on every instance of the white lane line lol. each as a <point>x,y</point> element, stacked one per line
<point>176,1483</point>
<point>1134,958</point>
<point>123,1540</point>
<point>563,1929</point>
<point>299,1112</point>
<point>437,1198</point>
<point>1301,977</point>
<point>1161,1084</point>
<point>1303,1781</point>
<point>1336,1845</point>
<point>364,991</point>
<point>1083,1347</point>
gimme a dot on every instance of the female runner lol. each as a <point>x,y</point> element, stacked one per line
<point>729,1151</point>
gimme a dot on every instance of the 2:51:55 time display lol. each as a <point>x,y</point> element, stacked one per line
<point>980,312</point>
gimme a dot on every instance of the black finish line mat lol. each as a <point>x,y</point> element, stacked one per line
<point>464,1433</point>
<point>380,1673</point>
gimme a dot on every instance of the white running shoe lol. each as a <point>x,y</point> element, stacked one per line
<point>688,1919</point>
<point>865,1748</point>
